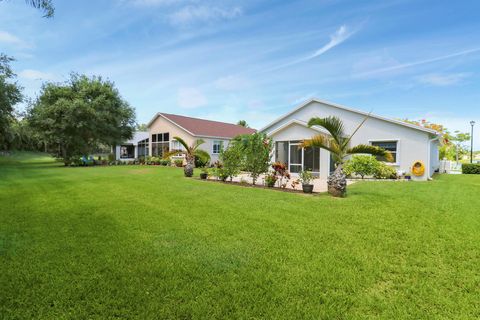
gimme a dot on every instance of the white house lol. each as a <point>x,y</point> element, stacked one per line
<point>408,143</point>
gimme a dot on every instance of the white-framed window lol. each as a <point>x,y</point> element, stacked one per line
<point>389,145</point>
<point>217,146</point>
<point>175,145</point>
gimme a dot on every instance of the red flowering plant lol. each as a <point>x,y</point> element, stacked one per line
<point>282,174</point>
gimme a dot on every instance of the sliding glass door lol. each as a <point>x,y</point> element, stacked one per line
<point>297,158</point>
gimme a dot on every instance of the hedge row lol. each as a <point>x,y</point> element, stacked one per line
<point>471,168</point>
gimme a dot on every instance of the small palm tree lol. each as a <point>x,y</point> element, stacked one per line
<point>190,152</point>
<point>338,145</point>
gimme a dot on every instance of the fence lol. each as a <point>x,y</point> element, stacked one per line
<point>450,167</point>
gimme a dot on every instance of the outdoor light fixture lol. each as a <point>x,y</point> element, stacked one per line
<point>472,123</point>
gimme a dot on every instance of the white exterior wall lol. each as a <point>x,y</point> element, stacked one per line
<point>412,144</point>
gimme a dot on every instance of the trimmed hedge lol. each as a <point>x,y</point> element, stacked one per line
<point>471,168</point>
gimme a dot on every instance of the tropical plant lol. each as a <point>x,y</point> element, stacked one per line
<point>338,143</point>
<point>280,170</point>
<point>305,177</point>
<point>190,151</point>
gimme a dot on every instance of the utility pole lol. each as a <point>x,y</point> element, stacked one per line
<point>472,123</point>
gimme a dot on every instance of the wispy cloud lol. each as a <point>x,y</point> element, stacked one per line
<point>189,15</point>
<point>339,36</point>
<point>190,98</point>
<point>9,38</point>
<point>402,66</point>
<point>30,74</point>
<point>442,80</point>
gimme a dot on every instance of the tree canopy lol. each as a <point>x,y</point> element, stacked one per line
<point>10,95</point>
<point>80,115</point>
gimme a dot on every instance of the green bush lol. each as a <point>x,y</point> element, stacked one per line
<point>471,168</point>
<point>200,162</point>
<point>178,163</point>
<point>232,159</point>
<point>384,171</point>
<point>361,165</point>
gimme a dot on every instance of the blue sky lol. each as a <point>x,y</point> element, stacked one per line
<point>255,60</point>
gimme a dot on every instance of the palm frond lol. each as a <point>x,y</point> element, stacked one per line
<point>373,150</point>
<point>320,141</point>
<point>347,141</point>
<point>45,5</point>
<point>332,124</point>
<point>197,143</point>
<point>203,155</point>
<point>173,153</point>
<point>182,142</point>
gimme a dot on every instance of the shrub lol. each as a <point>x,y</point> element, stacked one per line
<point>200,162</point>
<point>384,171</point>
<point>219,171</point>
<point>232,159</point>
<point>361,165</point>
<point>111,157</point>
<point>257,148</point>
<point>280,170</point>
<point>471,168</point>
<point>178,163</point>
<point>270,180</point>
<point>165,162</point>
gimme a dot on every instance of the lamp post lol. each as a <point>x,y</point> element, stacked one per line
<point>472,123</point>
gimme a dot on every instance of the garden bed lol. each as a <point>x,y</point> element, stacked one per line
<point>243,184</point>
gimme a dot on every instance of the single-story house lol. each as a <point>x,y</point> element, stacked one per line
<point>164,127</point>
<point>133,148</point>
<point>408,143</point>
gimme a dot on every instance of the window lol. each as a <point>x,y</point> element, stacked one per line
<point>160,144</point>
<point>217,146</point>
<point>143,148</point>
<point>127,151</point>
<point>281,152</point>
<point>389,146</point>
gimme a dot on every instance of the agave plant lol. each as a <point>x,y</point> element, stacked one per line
<point>338,143</point>
<point>190,152</point>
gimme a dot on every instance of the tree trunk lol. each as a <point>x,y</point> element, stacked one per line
<point>188,169</point>
<point>337,183</point>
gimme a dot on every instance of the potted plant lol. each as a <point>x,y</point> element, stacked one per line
<point>408,176</point>
<point>270,180</point>
<point>204,174</point>
<point>305,178</point>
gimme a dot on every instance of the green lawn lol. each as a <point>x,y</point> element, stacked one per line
<point>147,243</point>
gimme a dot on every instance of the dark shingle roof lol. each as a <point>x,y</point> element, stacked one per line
<point>207,128</point>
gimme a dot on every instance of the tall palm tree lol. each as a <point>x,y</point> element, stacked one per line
<point>338,143</point>
<point>190,152</point>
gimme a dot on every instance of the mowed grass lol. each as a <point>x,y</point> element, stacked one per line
<point>145,242</point>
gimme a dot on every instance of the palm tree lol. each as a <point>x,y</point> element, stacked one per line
<point>190,152</point>
<point>338,145</point>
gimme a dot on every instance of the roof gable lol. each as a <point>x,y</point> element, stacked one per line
<point>308,102</point>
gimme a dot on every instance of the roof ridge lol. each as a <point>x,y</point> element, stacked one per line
<point>179,115</point>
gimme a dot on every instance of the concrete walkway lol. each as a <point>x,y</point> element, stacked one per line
<point>319,185</point>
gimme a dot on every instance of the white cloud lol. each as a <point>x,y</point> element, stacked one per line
<point>31,74</point>
<point>9,38</point>
<point>231,83</point>
<point>191,14</point>
<point>336,38</point>
<point>190,98</point>
<point>437,79</point>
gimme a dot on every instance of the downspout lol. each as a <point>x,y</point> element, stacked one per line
<point>430,155</point>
